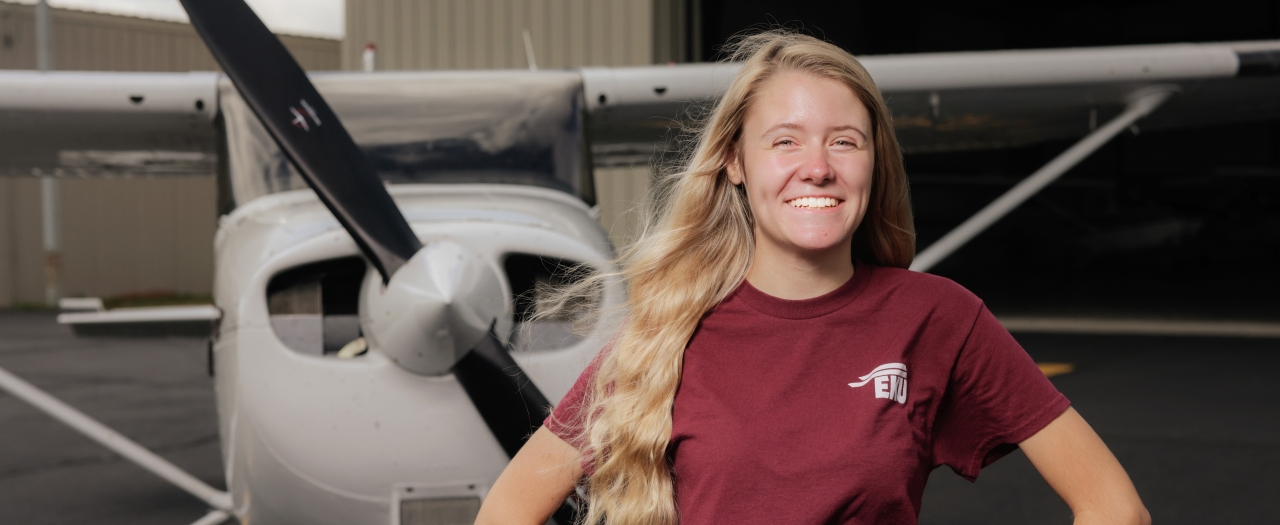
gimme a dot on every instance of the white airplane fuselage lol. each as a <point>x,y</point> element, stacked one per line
<point>317,439</point>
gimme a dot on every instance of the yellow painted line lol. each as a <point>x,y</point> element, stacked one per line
<point>1084,325</point>
<point>1056,369</point>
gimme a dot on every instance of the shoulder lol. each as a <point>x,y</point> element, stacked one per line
<point>909,298</point>
<point>918,287</point>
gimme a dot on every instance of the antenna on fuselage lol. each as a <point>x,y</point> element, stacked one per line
<point>528,51</point>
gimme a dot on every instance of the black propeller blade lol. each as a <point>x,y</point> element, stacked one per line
<point>511,405</point>
<point>508,401</point>
<point>307,131</point>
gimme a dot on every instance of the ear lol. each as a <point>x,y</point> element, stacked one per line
<point>733,167</point>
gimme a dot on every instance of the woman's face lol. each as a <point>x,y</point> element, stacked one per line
<point>806,155</point>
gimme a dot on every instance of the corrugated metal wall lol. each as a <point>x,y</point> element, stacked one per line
<point>118,236</point>
<point>85,41</point>
<point>452,34</point>
<point>21,252</point>
<point>621,192</point>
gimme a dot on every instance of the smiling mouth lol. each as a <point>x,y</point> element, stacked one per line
<point>813,203</point>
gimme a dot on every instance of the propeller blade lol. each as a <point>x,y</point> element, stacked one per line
<point>511,405</point>
<point>308,132</point>
<point>508,401</point>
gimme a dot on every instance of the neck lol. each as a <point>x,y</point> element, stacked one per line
<point>788,275</point>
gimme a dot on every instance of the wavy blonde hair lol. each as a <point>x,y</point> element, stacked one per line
<point>695,250</point>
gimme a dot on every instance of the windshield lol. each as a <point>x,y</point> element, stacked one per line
<point>505,127</point>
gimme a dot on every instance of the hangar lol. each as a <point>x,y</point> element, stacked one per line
<point>1125,204</point>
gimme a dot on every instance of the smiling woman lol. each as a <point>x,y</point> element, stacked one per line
<point>806,159</point>
<point>778,363</point>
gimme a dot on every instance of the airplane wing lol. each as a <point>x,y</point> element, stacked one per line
<point>976,100</point>
<point>161,123</point>
<point>106,123</point>
<point>972,100</point>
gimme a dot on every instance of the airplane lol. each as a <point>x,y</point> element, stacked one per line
<point>384,235</point>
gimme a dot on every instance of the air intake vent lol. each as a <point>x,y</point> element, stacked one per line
<point>425,504</point>
<point>442,511</point>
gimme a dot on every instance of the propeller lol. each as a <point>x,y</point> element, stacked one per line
<point>432,309</point>
<point>307,131</point>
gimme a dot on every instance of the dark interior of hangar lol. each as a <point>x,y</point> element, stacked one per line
<point>1149,221</point>
<point>915,26</point>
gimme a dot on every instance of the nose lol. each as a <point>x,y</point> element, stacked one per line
<point>817,167</point>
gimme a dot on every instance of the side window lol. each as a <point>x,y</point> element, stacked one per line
<point>532,276</point>
<point>313,307</point>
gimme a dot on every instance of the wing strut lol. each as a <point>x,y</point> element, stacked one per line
<point>1141,103</point>
<point>219,500</point>
<point>214,517</point>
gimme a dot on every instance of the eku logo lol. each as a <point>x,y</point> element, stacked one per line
<point>890,381</point>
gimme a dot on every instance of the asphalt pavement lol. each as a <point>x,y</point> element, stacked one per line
<point>1192,419</point>
<point>155,391</point>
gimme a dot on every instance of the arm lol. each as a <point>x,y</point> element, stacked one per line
<point>534,484</point>
<point>1075,462</point>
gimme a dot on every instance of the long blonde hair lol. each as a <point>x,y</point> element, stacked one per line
<point>694,252</point>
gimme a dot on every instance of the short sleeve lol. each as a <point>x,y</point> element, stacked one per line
<point>568,417</point>
<point>996,398</point>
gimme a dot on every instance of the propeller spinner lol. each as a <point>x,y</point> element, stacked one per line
<point>435,309</point>
<point>445,298</point>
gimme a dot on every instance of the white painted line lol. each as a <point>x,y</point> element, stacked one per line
<point>1082,325</point>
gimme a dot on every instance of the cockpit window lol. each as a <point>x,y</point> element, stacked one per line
<point>504,127</point>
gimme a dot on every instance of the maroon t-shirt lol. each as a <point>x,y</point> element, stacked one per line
<point>835,409</point>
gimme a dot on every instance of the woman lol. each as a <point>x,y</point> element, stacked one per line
<point>778,364</point>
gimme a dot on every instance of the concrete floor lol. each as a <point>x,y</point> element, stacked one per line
<point>1192,419</point>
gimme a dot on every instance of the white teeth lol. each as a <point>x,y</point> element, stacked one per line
<point>813,202</point>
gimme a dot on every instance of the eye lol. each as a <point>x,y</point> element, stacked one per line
<point>785,142</point>
<point>846,142</point>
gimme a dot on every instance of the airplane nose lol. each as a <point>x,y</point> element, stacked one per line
<point>435,308</point>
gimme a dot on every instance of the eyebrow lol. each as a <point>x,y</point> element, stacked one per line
<point>797,127</point>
